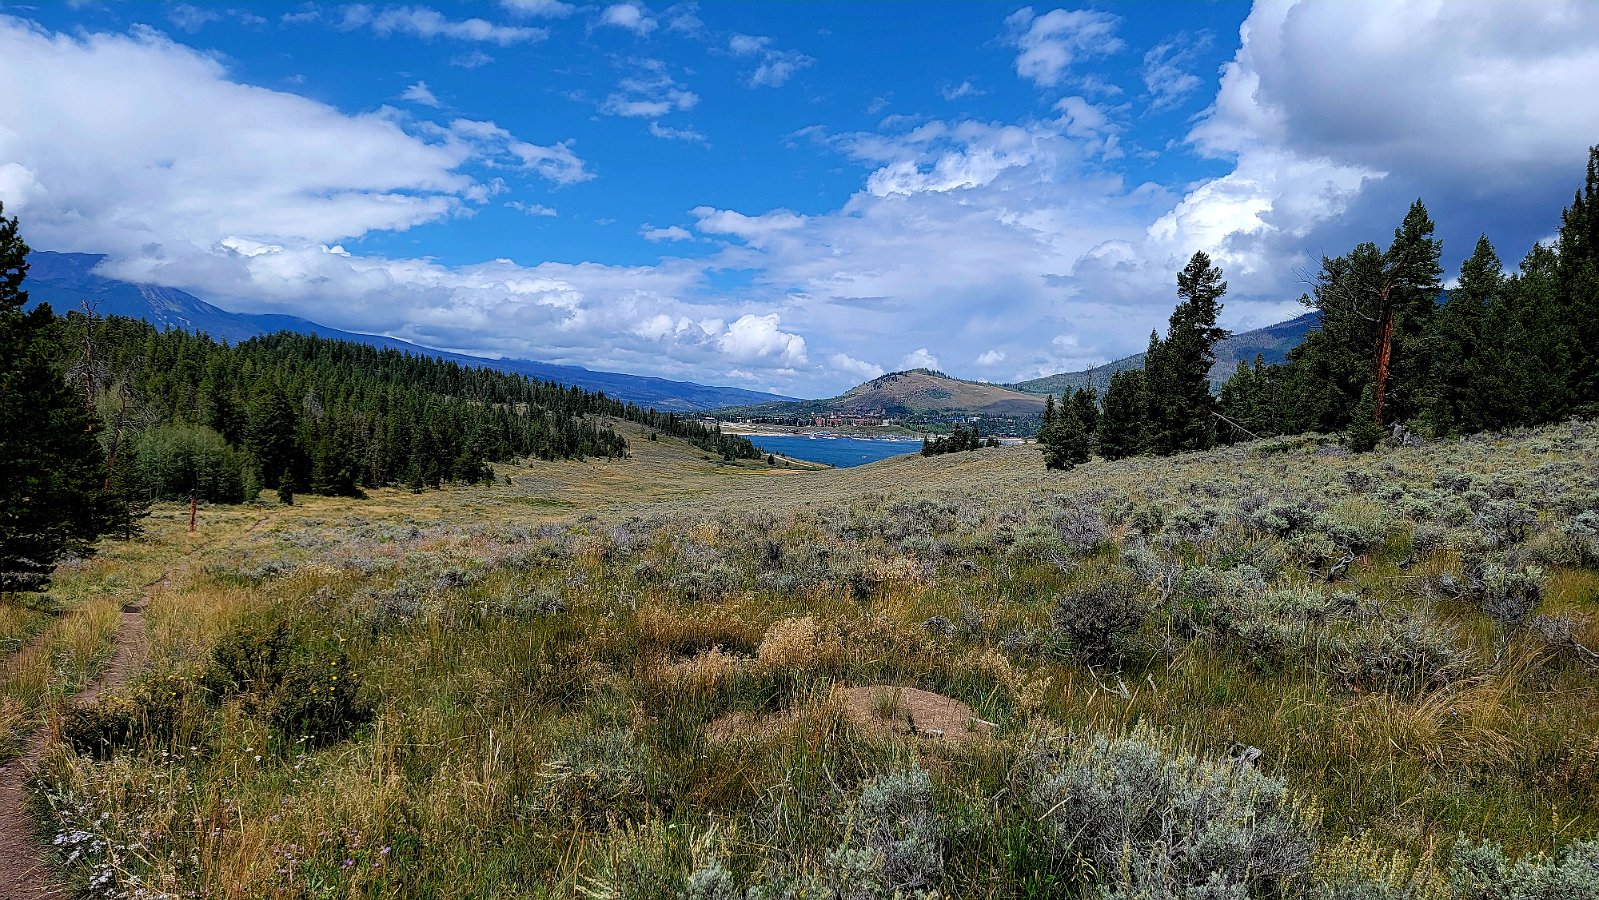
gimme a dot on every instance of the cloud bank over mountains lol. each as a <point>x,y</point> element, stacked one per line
<point>1024,245</point>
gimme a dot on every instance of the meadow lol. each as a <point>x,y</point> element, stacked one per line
<point>1274,670</point>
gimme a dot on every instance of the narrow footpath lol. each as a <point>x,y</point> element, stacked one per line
<point>24,872</point>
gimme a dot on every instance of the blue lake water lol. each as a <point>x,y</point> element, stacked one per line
<point>841,452</point>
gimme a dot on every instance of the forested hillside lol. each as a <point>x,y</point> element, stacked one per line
<point>180,412</point>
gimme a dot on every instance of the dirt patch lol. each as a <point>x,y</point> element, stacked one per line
<point>892,709</point>
<point>883,709</point>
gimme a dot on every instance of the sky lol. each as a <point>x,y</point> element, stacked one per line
<point>783,196</point>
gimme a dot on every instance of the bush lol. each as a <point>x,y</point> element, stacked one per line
<point>1480,872</point>
<point>1406,654</point>
<point>1509,596</point>
<point>1157,825</point>
<point>1098,619</point>
<point>894,820</point>
<point>308,691</point>
<point>149,718</point>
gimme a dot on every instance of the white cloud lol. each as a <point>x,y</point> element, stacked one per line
<point>537,210</point>
<point>419,93</point>
<point>1166,71</point>
<point>667,133</point>
<point>919,359</point>
<point>631,16</point>
<point>855,369</point>
<point>964,89</point>
<point>423,22</point>
<point>490,142</point>
<point>755,338</point>
<point>669,233</point>
<point>1050,44</point>
<point>188,17</point>
<point>756,231</point>
<point>472,59</point>
<point>990,357</point>
<point>552,9</point>
<point>776,67</point>
<point>649,94</point>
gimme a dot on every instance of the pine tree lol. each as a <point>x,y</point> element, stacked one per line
<point>1579,289</point>
<point>1122,420</point>
<point>1085,402</point>
<point>1466,391</point>
<point>271,433</point>
<point>52,470</point>
<point>1065,443</point>
<point>1364,432</point>
<point>1178,367</point>
<point>1412,285</point>
<point>1337,358</point>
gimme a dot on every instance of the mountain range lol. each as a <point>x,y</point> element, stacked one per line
<point>66,280</point>
<point>1272,342</point>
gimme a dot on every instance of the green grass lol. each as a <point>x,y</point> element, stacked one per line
<point>543,657</point>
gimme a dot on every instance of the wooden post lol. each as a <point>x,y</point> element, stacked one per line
<point>194,507</point>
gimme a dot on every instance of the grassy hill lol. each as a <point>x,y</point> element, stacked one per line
<point>1272,342</point>
<point>623,678</point>
<point>913,394</point>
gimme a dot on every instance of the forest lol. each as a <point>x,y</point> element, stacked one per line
<point>1395,356</point>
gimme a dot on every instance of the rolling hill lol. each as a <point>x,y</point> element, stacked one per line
<point>1273,342</point>
<point>64,280</point>
<point>914,394</point>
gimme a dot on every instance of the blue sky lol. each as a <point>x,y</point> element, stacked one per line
<point>783,196</point>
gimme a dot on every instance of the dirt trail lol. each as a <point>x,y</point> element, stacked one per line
<point>24,873</point>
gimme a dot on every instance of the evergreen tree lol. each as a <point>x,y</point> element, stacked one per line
<point>1085,402</point>
<point>1337,358</point>
<point>270,433</point>
<point>1122,420</point>
<point>1364,432</point>
<point>1466,390</point>
<point>1413,283</point>
<point>1178,368</point>
<point>1065,443</point>
<point>1049,412</point>
<point>52,471</point>
<point>1579,289</point>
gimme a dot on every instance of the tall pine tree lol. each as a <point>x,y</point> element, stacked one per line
<point>1182,410</point>
<point>52,471</point>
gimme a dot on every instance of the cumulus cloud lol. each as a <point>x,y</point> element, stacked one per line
<point>856,369</point>
<point>419,93</point>
<point>668,133</point>
<point>552,9</point>
<point>964,89</point>
<point>630,16</point>
<point>1050,44</point>
<point>775,66</point>
<point>990,357</point>
<point>423,22</point>
<point>919,359</point>
<point>650,93</point>
<point>669,233</point>
<point>755,338</point>
<point>537,210</point>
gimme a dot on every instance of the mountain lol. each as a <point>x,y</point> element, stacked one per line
<point>915,394</point>
<point>1273,342</point>
<point>64,280</point>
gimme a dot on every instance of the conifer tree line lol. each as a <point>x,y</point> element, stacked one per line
<point>101,416</point>
<point>329,417</point>
<point>1166,407</point>
<point>1499,351</point>
<point>1392,348</point>
<point>960,440</point>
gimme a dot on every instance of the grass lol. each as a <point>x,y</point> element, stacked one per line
<point>542,657</point>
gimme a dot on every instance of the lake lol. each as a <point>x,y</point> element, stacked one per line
<point>841,452</point>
